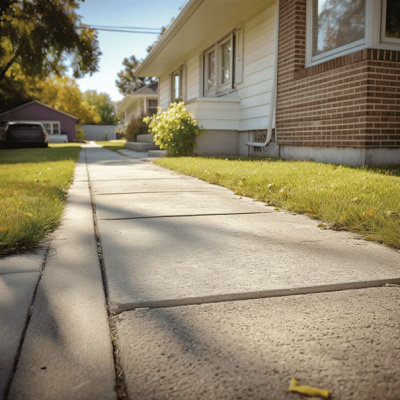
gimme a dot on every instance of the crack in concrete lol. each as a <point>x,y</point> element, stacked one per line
<point>191,301</point>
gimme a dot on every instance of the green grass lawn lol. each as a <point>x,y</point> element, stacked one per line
<point>114,146</point>
<point>32,191</point>
<point>363,200</point>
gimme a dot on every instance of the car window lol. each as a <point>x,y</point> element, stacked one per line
<point>25,128</point>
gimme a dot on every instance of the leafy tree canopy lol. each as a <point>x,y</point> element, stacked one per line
<point>103,106</point>
<point>45,37</point>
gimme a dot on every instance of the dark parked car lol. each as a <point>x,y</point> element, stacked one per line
<point>24,134</point>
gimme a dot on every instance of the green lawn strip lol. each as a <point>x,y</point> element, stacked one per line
<point>32,190</point>
<point>363,200</point>
<point>114,146</point>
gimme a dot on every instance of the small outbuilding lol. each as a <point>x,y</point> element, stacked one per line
<point>60,125</point>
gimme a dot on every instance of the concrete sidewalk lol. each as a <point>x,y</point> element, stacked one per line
<point>212,296</point>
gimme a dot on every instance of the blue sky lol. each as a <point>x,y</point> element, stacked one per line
<point>115,46</point>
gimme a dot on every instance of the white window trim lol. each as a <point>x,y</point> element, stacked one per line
<point>52,127</point>
<point>210,92</point>
<point>180,72</point>
<point>219,88</point>
<point>375,15</point>
<point>385,39</point>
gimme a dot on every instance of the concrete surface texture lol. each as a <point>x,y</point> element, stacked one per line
<point>67,352</point>
<point>347,342</point>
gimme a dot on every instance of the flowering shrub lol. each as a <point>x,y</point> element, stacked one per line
<point>134,128</point>
<point>175,130</point>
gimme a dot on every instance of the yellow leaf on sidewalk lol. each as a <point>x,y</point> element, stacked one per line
<point>307,390</point>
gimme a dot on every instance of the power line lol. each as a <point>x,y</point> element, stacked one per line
<point>125,29</point>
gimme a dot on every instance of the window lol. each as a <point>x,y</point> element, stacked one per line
<point>223,64</point>
<point>177,86</point>
<point>391,21</point>
<point>52,127</point>
<point>152,107</point>
<point>336,26</point>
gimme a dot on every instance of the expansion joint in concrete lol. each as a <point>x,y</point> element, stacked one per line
<point>163,191</point>
<point>191,301</point>
<point>185,216</point>
<point>120,386</point>
<point>28,318</point>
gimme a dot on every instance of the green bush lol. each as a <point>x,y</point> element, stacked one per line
<point>134,128</point>
<point>80,135</point>
<point>175,130</point>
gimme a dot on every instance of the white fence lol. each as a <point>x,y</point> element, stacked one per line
<point>98,132</point>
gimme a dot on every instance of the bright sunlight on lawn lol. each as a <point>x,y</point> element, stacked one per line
<point>33,183</point>
<point>363,200</point>
<point>114,145</point>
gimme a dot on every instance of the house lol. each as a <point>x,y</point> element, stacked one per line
<point>59,125</point>
<point>141,103</point>
<point>298,79</point>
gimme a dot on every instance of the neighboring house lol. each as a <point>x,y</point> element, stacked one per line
<point>141,103</point>
<point>315,79</point>
<point>56,122</point>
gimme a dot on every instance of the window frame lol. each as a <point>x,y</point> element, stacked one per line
<point>383,37</point>
<point>151,107</point>
<point>219,88</point>
<point>375,26</point>
<point>52,123</point>
<point>177,72</point>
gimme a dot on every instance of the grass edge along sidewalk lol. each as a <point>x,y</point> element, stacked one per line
<point>33,184</point>
<point>364,200</point>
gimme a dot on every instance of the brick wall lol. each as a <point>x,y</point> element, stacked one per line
<point>350,101</point>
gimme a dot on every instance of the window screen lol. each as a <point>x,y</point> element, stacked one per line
<point>337,23</point>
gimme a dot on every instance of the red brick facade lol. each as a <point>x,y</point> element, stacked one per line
<point>350,101</point>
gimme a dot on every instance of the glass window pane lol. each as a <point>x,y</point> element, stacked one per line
<point>392,19</point>
<point>55,129</point>
<point>337,23</point>
<point>177,86</point>
<point>211,70</point>
<point>226,61</point>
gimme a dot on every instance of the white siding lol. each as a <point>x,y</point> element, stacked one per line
<point>193,70</point>
<point>255,91</point>
<point>164,87</point>
<point>216,113</point>
<point>253,109</point>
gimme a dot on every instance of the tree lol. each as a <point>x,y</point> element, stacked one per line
<point>128,82</point>
<point>42,35</point>
<point>103,106</point>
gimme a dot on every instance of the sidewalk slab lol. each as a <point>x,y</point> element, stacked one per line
<point>178,203</point>
<point>67,352</point>
<point>165,184</point>
<point>347,342</point>
<point>15,263</point>
<point>16,293</point>
<point>164,259</point>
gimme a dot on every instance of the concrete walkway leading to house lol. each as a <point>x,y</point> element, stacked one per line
<point>212,296</point>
